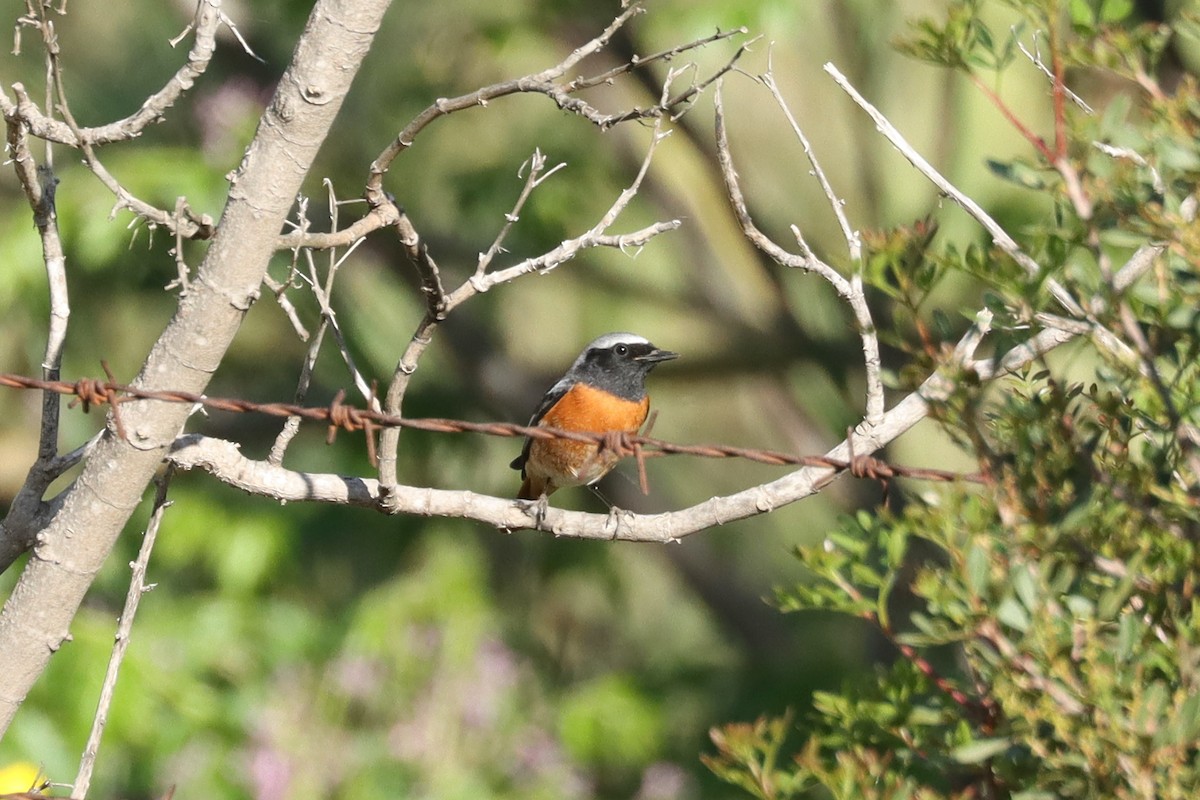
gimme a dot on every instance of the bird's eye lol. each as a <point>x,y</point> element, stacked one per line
<point>621,350</point>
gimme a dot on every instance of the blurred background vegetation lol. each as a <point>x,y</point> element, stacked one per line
<point>304,651</point>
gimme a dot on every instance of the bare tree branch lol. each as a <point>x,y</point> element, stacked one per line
<point>323,292</point>
<point>224,460</point>
<point>1000,237</point>
<point>39,184</point>
<point>24,111</point>
<point>379,217</point>
<point>546,82</point>
<point>207,21</point>
<point>137,587</point>
<point>384,212</point>
<point>1045,341</point>
<point>427,269</point>
<point>597,236</point>
<point>855,297</point>
<point>850,290</point>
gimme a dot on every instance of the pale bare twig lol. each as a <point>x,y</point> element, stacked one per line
<point>1132,155</point>
<point>436,309</point>
<point>24,111</point>
<point>379,217</point>
<point>1035,58</point>
<point>237,34</point>
<point>1046,340</point>
<point>329,319</point>
<point>808,261</point>
<point>1105,339</point>
<point>279,288</point>
<point>683,100</point>
<point>181,265</point>
<point>55,260</point>
<point>535,178</point>
<point>1073,186</point>
<point>183,220</point>
<point>39,184</point>
<point>852,290</point>
<point>279,292</point>
<point>1000,237</point>
<point>1146,360</point>
<point>663,55</point>
<point>853,239</point>
<point>291,426</point>
<point>566,251</point>
<point>1139,355</point>
<point>323,293</point>
<point>137,587</point>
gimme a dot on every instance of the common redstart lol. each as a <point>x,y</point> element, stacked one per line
<point>603,391</point>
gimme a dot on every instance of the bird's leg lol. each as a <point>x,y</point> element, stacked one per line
<point>537,510</point>
<point>613,522</point>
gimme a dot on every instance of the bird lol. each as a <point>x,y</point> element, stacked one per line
<point>604,391</point>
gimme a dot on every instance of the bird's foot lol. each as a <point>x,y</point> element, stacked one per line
<point>537,510</point>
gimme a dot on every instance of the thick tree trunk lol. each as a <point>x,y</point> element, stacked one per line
<point>72,548</point>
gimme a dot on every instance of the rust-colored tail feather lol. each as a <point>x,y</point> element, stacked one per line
<point>530,491</point>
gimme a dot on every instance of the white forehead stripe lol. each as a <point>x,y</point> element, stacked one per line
<point>612,339</point>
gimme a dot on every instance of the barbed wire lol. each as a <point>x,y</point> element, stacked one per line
<point>339,415</point>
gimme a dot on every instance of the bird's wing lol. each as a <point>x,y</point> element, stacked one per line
<point>553,396</point>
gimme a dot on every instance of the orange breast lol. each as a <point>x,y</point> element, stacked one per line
<point>559,462</point>
<point>584,408</point>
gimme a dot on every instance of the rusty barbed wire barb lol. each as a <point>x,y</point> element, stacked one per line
<point>339,415</point>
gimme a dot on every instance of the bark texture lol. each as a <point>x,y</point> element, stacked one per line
<point>70,551</point>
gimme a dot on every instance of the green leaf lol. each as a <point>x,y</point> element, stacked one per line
<point>1115,120</point>
<point>1079,606</point>
<point>1016,172</point>
<point>610,722</point>
<point>1128,636</point>
<point>1112,11</point>
<point>1083,16</point>
<point>1026,587</point>
<point>977,569</point>
<point>1186,724</point>
<point>1012,614</point>
<point>863,576</point>
<point>896,544</point>
<point>1125,239</point>
<point>849,543</point>
<point>979,750</point>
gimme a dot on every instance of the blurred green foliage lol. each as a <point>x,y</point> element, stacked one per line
<point>1042,626</point>
<point>316,652</point>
